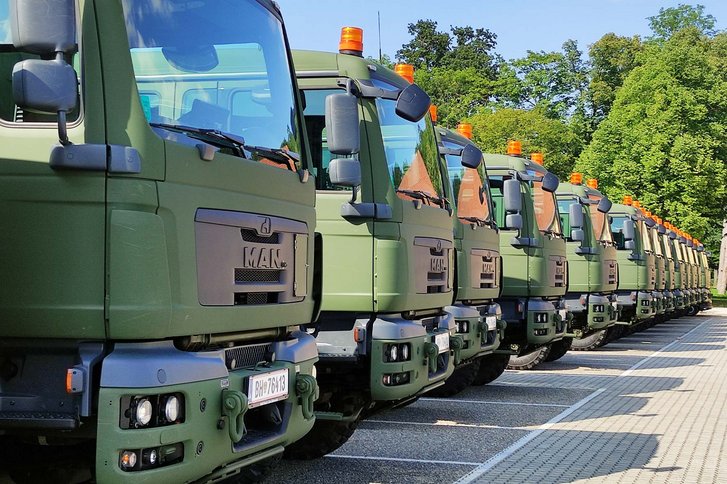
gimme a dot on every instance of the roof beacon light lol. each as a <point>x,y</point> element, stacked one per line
<point>536,157</point>
<point>514,148</point>
<point>592,183</point>
<point>406,71</point>
<point>628,200</point>
<point>351,41</point>
<point>465,129</point>
<point>636,204</point>
<point>576,178</point>
<point>433,112</point>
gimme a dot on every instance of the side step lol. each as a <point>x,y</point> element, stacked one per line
<point>38,420</point>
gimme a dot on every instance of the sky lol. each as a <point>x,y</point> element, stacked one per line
<point>520,25</point>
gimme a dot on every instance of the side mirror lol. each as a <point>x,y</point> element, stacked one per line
<point>550,182</point>
<point>604,205</point>
<point>672,235</point>
<point>577,235</point>
<point>514,221</point>
<point>629,230</point>
<point>342,124</point>
<point>43,27</point>
<point>650,223</point>
<point>45,86</point>
<point>575,214</point>
<point>471,156</point>
<point>413,103</point>
<point>345,172</point>
<point>662,229</point>
<point>511,196</point>
<point>629,245</point>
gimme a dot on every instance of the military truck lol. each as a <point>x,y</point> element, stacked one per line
<point>388,250</point>
<point>660,299</point>
<point>535,268</point>
<point>592,265</point>
<point>669,268</point>
<point>158,222</point>
<point>636,266</point>
<point>705,278</point>
<point>674,255</point>
<point>478,318</point>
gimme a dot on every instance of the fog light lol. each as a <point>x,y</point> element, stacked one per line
<point>405,351</point>
<point>128,459</point>
<point>171,409</point>
<point>142,412</point>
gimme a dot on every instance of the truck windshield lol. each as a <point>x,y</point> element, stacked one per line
<point>645,235</point>
<point>601,227</point>
<point>546,210</point>
<point>469,187</point>
<point>655,240</point>
<point>196,66</point>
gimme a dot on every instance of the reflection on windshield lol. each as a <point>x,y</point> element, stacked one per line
<point>195,66</point>
<point>601,228</point>
<point>469,188</point>
<point>545,209</point>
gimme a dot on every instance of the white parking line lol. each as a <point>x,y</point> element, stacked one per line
<point>490,402</point>
<point>499,457</point>
<point>447,423</point>
<point>398,459</point>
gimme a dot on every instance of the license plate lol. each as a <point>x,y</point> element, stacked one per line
<point>442,342</point>
<point>267,388</point>
<point>491,322</point>
<point>563,314</point>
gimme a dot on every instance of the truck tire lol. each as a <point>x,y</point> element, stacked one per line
<point>614,332</point>
<point>491,367</point>
<point>325,437</point>
<point>460,379</point>
<point>559,349</point>
<point>530,360</point>
<point>256,472</point>
<point>592,341</point>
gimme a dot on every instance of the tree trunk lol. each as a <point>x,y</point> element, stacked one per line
<point>722,275</point>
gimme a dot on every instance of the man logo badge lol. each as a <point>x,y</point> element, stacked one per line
<point>266,226</point>
<point>439,246</point>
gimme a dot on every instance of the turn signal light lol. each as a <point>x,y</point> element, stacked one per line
<point>406,71</point>
<point>433,113</point>
<point>465,129</point>
<point>628,200</point>
<point>536,157</point>
<point>514,148</point>
<point>592,183</point>
<point>351,41</point>
<point>576,178</point>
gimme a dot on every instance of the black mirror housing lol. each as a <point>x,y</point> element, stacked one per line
<point>575,215</point>
<point>514,221</point>
<point>604,205</point>
<point>511,196</point>
<point>342,124</point>
<point>413,103</point>
<point>550,182</point>
<point>471,156</point>
<point>629,230</point>
<point>578,235</point>
<point>43,27</point>
<point>45,86</point>
<point>345,172</point>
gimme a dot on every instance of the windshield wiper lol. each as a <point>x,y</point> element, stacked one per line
<point>422,195</point>
<point>480,222</point>
<point>234,142</point>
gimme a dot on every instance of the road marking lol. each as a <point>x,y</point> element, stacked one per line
<point>399,459</point>
<point>490,402</point>
<point>480,470</point>
<point>448,423</point>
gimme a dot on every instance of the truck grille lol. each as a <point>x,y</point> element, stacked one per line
<point>433,260</point>
<point>246,356</point>
<point>250,236</point>
<point>254,275</point>
<point>484,268</point>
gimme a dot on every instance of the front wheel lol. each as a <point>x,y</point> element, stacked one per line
<point>462,377</point>
<point>530,360</point>
<point>325,437</point>
<point>592,341</point>
<point>256,472</point>
<point>491,367</point>
<point>559,349</point>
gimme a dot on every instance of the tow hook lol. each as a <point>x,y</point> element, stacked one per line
<point>483,332</point>
<point>234,407</point>
<point>431,350</point>
<point>306,388</point>
<point>456,343</point>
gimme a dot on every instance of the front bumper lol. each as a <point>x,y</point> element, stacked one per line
<point>479,327</point>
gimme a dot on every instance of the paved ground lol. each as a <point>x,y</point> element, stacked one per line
<point>651,407</point>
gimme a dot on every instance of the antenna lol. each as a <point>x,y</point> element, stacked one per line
<point>378,15</point>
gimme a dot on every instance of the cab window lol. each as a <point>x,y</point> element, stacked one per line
<point>546,210</point>
<point>315,124</point>
<point>469,188</point>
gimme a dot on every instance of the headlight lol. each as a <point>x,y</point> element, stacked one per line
<point>393,352</point>
<point>171,409</point>
<point>142,413</point>
<point>405,351</point>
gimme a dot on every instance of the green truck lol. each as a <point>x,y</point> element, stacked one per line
<point>158,241</point>
<point>386,232</point>
<point>636,266</point>
<point>669,269</point>
<point>534,267</point>
<point>705,281</point>
<point>661,302</point>
<point>592,265</point>
<point>478,317</point>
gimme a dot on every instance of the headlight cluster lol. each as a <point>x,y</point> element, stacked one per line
<point>463,326</point>
<point>598,308</point>
<point>397,352</point>
<point>541,317</point>
<point>394,379</point>
<point>151,458</point>
<point>144,411</point>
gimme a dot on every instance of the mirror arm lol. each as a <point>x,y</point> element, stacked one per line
<point>354,194</point>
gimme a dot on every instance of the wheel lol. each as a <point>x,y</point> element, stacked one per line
<point>530,360</point>
<point>559,349</point>
<point>592,341</point>
<point>491,367</point>
<point>460,379</point>
<point>325,437</point>
<point>614,332</point>
<point>692,310</point>
<point>256,472</point>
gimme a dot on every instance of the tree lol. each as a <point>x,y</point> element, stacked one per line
<point>673,19</point>
<point>536,132</point>
<point>458,93</point>
<point>612,59</point>
<point>427,47</point>
<point>665,138</point>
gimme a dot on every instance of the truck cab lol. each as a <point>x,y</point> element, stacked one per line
<point>158,235</point>
<point>477,315</point>
<point>675,255</point>
<point>592,263</point>
<point>387,244</point>
<point>705,281</point>
<point>660,298</point>
<point>670,268</point>
<point>636,263</point>
<point>535,268</point>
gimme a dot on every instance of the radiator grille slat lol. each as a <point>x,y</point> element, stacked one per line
<point>246,356</point>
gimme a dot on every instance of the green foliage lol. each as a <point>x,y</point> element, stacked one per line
<point>612,59</point>
<point>664,140</point>
<point>673,19</point>
<point>535,130</point>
